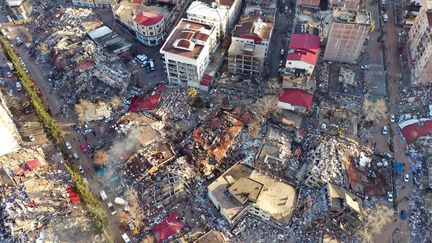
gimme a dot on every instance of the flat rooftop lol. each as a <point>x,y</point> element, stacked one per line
<point>357,16</point>
<point>338,196</point>
<point>254,26</point>
<point>267,193</point>
<point>188,39</point>
<point>240,48</point>
<point>198,8</point>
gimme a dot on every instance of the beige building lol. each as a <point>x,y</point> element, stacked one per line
<point>336,208</point>
<point>249,44</point>
<point>420,46</point>
<point>347,35</point>
<point>187,52</point>
<point>243,190</point>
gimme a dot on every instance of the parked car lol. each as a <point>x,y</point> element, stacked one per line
<point>126,238</point>
<point>103,195</point>
<point>81,169</point>
<point>385,130</point>
<point>111,208</point>
<point>385,17</point>
<point>75,156</point>
<point>68,146</point>
<point>282,51</point>
<point>392,118</point>
<point>403,214</point>
<point>365,67</point>
<point>406,178</point>
<point>390,196</point>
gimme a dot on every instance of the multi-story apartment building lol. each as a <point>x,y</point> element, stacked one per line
<point>336,208</point>
<point>243,190</point>
<point>20,9</point>
<point>148,23</point>
<point>249,44</point>
<point>187,52</point>
<point>308,3</point>
<point>210,14</point>
<point>10,135</point>
<point>347,35</point>
<point>420,46</point>
<point>94,3</point>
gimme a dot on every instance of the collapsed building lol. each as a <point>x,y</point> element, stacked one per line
<point>244,190</point>
<point>335,208</point>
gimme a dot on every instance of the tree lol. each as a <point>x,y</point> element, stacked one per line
<point>267,106</point>
<point>374,110</point>
<point>374,221</point>
<point>135,211</point>
<point>192,93</point>
<point>100,158</point>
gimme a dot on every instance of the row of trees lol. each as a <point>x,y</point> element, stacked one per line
<point>49,124</point>
<point>53,131</point>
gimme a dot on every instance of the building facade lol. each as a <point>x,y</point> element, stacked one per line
<point>20,9</point>
<point>347,35</point>
<point>93,3</point>
<point>211,15</point>
<point>147,23</point>
<point>309,3</point>
<point>420,46</point>
<point>187,52</point>
<point>249,45</point>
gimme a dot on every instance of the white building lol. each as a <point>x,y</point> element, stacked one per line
<point>148,23</point>
<point>20,9</point>
<point>10,135</point>
<point>187,52</point>
<point>211,15</point>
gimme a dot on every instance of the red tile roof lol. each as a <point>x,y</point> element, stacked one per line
<point>413,131</point>
<point>147,102</point>
<point>148,18</point>
<point>304,56</point>
<point>169,227</point>
<point>27,167</point>
<point>305,41</point>
<point>206,80</point>
<point>296,97</point>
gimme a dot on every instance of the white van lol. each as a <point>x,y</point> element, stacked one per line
<point>120,201</point>
<point>385,17</point>
<point>18,86</point>
<point>126,238</point>
<point>152,66</point>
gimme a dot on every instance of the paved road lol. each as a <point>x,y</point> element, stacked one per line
<point>54,103</point>
<point>394,68</point>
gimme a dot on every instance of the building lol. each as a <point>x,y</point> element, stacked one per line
<point>233,7</point>
<point>349,4</point>
<point>243,190</point>
<point>109,40</point>
<point>420,46</point>
<point>212,236</point>
<point>347,35</point>
<point>303,53</point>
<point>20,9</point>
<point>93,3</point>
<point>148,23</point>
<point>249,44</point>
<point>10,135</point>
<point>336,208</point>
<point>187,52</point>
<point>210,14</point>
<point>295,100</point>
<point>308,3</point>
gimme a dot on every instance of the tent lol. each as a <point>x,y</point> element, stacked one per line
<point>398,167</point>
<point>168,227</point>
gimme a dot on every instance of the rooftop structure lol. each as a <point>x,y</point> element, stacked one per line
<point>19,9</point>
<point>210,14</point>
<point>347,35</point>
<point>110,40</point>
<point>254,27</point>
<point>212,236</point>
<point>187,51</point>
<point>147,22</point>
<point>243,189</point>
